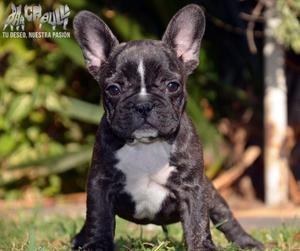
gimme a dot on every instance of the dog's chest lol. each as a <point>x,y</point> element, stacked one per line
<point>147,169</point>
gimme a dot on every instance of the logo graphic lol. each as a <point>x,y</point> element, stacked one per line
<point>16,21</point>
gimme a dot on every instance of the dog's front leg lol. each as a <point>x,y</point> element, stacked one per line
<point>195,218</point>
<point>100,218</point>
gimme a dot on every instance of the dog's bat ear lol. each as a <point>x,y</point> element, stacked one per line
<point>184,34</point>
<point>95,39</point>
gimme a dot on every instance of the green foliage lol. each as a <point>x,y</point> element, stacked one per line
<point>44,124</point>
<point>288,31</point>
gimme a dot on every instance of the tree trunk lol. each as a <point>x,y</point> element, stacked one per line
<point>275,114</point>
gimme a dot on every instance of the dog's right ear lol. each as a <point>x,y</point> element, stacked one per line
<point>95,39</point>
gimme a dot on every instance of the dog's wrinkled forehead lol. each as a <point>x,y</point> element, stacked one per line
<point>143,61</point>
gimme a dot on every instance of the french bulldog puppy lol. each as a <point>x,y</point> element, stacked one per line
<point>147,164</point>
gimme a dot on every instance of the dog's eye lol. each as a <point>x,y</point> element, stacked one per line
<point>113,90</point>
<point>172,86</point>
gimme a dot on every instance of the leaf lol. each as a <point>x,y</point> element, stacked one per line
<point>219,224</point>
<point>18,49</point>
<point>46,166</point>
<point>127,27</point>
<point>68,47</point>
<point>82,110</point>
<point>23,152</point>
<point>21,79</point>
<point>54,186</point>
<point>20,108</point>
<point>71,50</point>
<point>53,103</point>
<point>7,144</point>
<point>74,108</point>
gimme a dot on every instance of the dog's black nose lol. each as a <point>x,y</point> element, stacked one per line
<point>144,108</point>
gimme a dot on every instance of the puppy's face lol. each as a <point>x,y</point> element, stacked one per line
<point>143,81</point>
<point>144,92</point>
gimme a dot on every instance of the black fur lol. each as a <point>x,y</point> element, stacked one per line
<point>191,198</point>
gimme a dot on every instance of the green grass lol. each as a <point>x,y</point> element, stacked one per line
<point>33,230</point>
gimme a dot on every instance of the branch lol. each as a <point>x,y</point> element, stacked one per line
<point>228,177</point>
<point>249,17</point>
<point>250,29</point>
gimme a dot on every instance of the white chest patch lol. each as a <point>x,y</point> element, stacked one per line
<point>147,169</point>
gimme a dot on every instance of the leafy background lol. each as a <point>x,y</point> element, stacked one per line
<point>50,106</point>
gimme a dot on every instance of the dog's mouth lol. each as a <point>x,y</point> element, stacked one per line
<point>145,134</point>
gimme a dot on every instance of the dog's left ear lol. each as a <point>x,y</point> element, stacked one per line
<point>184,34</point>
<point>95,39</point>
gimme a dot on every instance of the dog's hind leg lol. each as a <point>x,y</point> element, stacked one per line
<point>221,215</point>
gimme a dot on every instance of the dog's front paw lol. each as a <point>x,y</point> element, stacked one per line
<point>209,246</point>
<point>78,242</point>
<point>206,245</point>
<point>98,246</point>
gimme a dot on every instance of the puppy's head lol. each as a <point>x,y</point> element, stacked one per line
<point>143,81</point>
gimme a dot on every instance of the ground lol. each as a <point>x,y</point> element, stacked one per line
<point>52,227</point>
